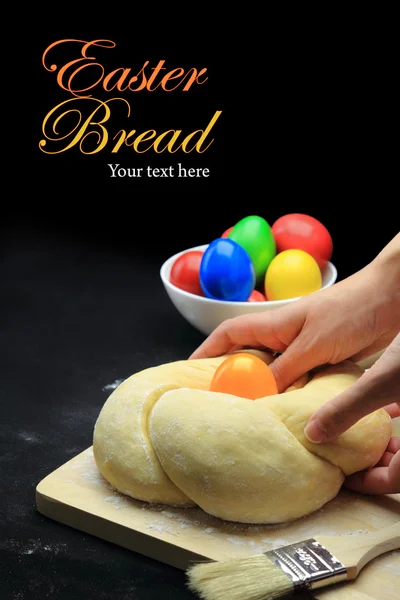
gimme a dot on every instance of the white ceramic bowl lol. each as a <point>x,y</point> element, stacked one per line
<point>205,314</point>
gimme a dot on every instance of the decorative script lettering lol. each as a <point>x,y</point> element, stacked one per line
<point>85,120</point>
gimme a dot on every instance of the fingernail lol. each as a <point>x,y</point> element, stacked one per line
<point>315,432</point>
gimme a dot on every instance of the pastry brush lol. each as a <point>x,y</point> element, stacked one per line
<point>280,573</point>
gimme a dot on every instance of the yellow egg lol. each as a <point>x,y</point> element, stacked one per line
<point>292,273</point>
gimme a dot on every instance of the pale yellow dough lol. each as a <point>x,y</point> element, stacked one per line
<point>163,438</point>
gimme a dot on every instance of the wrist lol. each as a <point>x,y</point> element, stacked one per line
<point>385,269</point>
<point>384,276</point>
<point>376,292</point>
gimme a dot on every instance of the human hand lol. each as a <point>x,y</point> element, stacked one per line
<point>383,478</point>
<point>352,319</point>
<point>379,387</point>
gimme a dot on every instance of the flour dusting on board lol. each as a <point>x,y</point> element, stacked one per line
<point>181,523</point>
<point>161,526</point>
<point>87,469</point>
<point>117,501</point>
<point>235,540</point>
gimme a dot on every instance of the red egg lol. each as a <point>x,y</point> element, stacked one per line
<point>302,232</point>
<point>185,272</point>
<point>227,232</point>
<point>257,296</point>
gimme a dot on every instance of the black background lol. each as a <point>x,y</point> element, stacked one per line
<point>157,110</point>
<point>307,126</point>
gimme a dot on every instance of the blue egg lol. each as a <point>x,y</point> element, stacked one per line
<point>226,271</point>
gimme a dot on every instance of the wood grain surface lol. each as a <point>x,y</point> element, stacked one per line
<point>76,494</point>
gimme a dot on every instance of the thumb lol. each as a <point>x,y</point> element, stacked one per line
<point>376,388</point>
<point>293,363</point>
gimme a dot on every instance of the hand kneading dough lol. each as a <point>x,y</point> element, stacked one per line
<point>162,437</point>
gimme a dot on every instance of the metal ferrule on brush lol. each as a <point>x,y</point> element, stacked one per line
<point>308,564</point>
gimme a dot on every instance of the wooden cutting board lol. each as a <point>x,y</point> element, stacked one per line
<point>77,495</point>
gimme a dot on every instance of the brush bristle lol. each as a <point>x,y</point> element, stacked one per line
<point>252,578</point>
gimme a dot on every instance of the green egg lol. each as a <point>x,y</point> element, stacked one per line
<point>255,235</point>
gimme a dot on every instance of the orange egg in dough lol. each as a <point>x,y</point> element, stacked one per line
<point>244,375</point>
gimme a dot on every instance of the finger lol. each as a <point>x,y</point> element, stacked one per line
<point>233,334</point>
<point>385,459</point>
<point>375,389</point>
<point>297,360</point>
<point>224,340</point>
<point>257,330</point>
<point>236,347</point>
<point>393,409</point>
<point>379,480</point>
<point>393,445</point>
<point>374,481</point>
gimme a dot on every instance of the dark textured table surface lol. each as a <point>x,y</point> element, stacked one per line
<point>80,309</point>
<point>75,317</point>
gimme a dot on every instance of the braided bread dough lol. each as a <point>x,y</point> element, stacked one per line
<point>162,437</point>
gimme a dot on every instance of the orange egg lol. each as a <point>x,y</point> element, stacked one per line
<point>244,375</point>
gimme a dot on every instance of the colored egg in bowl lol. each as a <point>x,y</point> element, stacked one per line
<point>205,314</point>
